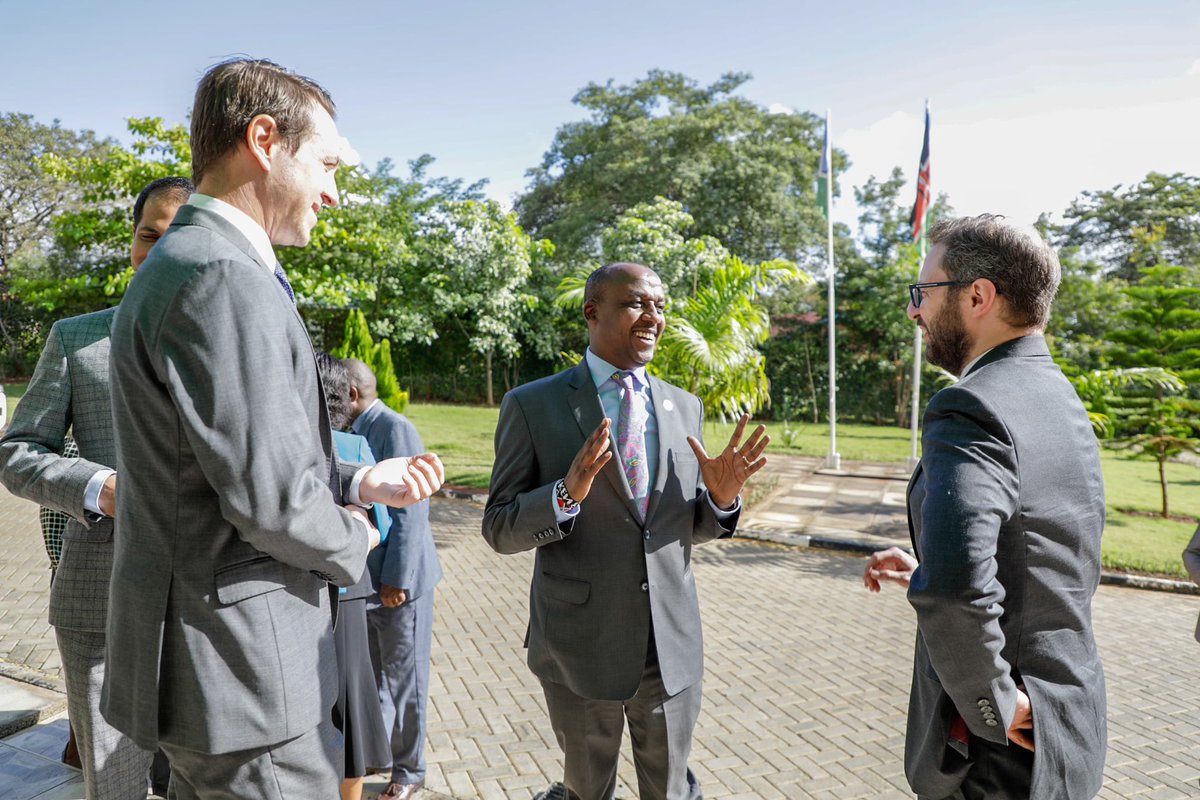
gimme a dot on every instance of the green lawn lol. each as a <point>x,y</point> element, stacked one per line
<point>462,436</point>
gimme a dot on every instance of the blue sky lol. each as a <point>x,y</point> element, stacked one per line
<point>1032,102</point>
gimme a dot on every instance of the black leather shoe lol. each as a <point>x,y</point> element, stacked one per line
<point>556,792</point>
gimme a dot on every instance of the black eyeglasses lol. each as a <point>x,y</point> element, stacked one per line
<point>915,290</point>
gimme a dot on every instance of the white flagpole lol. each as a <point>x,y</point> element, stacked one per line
<point>916,376</point>
<point>914,415</point>
<point>834,459</point>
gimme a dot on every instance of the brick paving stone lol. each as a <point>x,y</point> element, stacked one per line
<point>806,678</point>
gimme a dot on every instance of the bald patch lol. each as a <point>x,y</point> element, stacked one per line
<point>361,377</point>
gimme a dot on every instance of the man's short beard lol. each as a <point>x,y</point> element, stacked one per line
<point>947,343</point>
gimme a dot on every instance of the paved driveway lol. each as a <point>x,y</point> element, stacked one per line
<point>807,673</point>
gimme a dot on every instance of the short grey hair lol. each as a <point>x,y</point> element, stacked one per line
<point>1023,267</point>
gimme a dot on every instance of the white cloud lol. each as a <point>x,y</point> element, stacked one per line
<point>1193,70</point>
<point>780,108</point>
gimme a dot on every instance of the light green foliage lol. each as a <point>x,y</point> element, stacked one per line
<point>712,338</point>
<point>715,319</point>
<point>476,263</point>
<point>744,174</point>
<point>358,343</point>
<point>385,377</point>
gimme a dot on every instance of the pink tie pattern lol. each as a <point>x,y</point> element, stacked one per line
<point>631,440</point>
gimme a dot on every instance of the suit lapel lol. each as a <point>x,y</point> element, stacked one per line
<point>668,422</point>
<point>908,495</point>
<point>588,412</point>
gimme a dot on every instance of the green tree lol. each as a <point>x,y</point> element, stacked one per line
<point>716,319</point>
<point>30,198</point>
<point>475,264</point>
<point>744,174</point>
<point>358,343</point>
<point>1104,223</point>
<point>1156,419</point>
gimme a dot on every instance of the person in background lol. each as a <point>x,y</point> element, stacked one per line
<point>357,713</point>
<point>70,392</point>
<point>404,573</point>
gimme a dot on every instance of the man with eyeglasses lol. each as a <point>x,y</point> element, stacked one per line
<point>1006,510</point>
<point>614,622</point>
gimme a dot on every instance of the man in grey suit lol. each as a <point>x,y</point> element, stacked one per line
<point>614,623</point>
<point>220,647</point>
<point>69,392</point>
<point>1006,509</point>
<point>404,571</point>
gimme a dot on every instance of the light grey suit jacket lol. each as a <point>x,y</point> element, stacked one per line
<point>1191,560</point>
<point>227,531</point>
<point>598,582</point>
<point>408,559</point>
<point>1006,510</point>
<point>68,392</point>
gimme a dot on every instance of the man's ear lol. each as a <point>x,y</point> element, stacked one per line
<point>354,393</point>
<point>983,296</point>
<point>262,139</point>
<point>589,311</point>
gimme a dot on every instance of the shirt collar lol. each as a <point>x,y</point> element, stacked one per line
<point>603,371</point>
<point>975,361</point>
<point>361,419</point>
<point>243,222</point>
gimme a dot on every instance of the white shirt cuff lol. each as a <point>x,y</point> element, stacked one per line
<point>91,492</point>
<point>722,514</point>
<point>352,496</point>
<point>561,515</point>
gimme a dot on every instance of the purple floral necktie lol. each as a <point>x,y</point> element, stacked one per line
<point>631,440</point>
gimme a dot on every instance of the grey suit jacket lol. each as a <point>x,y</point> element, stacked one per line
<point>68,392</point>
<point>227,531</point>
<point>408,559</point>
<point>1191,560</point>
<point>599,581</point>
<point>1006,511</point>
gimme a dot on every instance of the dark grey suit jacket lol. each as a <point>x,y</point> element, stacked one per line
<point>68,392</point>
<point>227,531</point>
<point>408,559</point>
<point>1006,510</point>
<point>597,583</point>
<point>1191,560</point>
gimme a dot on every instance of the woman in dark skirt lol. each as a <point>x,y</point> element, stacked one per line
<point>357,713</point>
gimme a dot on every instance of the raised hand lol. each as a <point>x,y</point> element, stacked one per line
<point>727,473</point>
<point>400,482</point>
<point>893,564</point>
<point>594,454</point>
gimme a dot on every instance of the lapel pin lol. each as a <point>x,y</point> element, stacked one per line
<point>668,405</point>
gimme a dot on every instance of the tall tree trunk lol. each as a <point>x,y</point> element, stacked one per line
<point>1162,479</point>
<point>487,360</point>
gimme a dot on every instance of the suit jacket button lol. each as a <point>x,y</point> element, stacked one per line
<point>988,715</point>
<point>983,703</point>
<point>647,536</point>
<point>991,723</point>
<point>645,586</point>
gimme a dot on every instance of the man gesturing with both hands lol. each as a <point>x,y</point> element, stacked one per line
<point>600,468</point>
